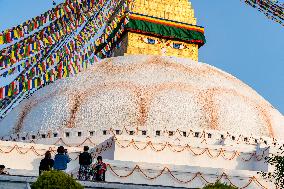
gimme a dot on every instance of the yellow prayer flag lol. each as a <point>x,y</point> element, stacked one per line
<point>24,87</point>
<point>16,34</point>
<point>10,91</point>
<point>36,83</point>
<point>76,68</point>
<point>1,39</point>
<point>13,54</point>
<point>68,29</point>
<point>61,33</point>
<point>45,41</point>
<point>20,56</point>
<point>40,68</point>
<point>57,58</point>
<point>46,76</point>
<point>58,14</point>
<point>35,46</point>
<point>65,72</point>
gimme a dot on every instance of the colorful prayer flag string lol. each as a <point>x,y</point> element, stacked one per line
<point>273,10</point>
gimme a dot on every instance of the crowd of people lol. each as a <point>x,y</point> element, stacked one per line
<point>87,170</point>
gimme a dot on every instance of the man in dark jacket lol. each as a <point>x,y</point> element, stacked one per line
<point>85,160</point>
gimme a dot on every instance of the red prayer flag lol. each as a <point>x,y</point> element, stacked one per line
<point>2,92</point>
<point>8,36</point>
<point>35,24</point>
<point>29,49</point>
<point>29,84</point>
<point>49,39</point>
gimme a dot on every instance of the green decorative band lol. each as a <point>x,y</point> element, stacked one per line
<point>165,31</point>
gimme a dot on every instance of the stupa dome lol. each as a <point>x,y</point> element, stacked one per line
<point>148,91</point>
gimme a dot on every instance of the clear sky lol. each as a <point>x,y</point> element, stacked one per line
<point>240,41</point>
<point>243,42</point>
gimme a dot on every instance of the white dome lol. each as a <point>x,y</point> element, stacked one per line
<point>148,91</point>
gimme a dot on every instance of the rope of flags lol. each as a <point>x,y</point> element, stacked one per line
<point>272,9</point>
<point>69,60</point>
<point>35,58</point>
<point>68,8</point>
<point>40,40</point>
<point>46,36</point>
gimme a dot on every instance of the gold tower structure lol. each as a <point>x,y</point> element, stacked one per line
<point>161,27</point>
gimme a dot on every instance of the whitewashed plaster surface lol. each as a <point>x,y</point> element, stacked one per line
<point>148,91</point>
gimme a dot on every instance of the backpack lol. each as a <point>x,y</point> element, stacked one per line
<point>85,158</point>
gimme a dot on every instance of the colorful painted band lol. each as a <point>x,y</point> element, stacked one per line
<point>136,16</point>
<point>164,31</point>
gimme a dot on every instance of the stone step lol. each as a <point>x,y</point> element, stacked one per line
<point>20,182</point>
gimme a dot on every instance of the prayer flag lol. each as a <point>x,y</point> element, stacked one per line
<point>2,92</point>
<point>8,37</point>
<point>1,39</point>
<point>29,84</point>
<point>6,90</point>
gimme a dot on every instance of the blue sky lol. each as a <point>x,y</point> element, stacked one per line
<point>240,40</point>
<point>243,42</point>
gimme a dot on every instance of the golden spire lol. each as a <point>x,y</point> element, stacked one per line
<point>162,27</point>
<point>176,10</point>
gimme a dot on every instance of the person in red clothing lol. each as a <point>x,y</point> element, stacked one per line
<point>100,169</point>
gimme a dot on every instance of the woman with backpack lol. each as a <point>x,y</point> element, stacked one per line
<point>85,161</point>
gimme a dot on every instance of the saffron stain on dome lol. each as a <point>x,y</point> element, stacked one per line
<point>76,103</point>
<point>20,122</point>
<point>143,111</point>
<point>210,107</point>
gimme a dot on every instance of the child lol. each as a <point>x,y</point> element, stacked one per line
<point>100,169</point>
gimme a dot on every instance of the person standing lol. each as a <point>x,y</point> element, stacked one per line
<point>2,170</point>
<point>100,168</point>
<point>85,161</point>
<point>61,159</point>
<point>46,163</point>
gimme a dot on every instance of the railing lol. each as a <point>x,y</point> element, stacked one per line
<point>204,136</point>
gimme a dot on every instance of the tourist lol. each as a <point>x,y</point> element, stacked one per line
<point>100,169</point>
<point>2,170</point>
<point>61,159</point>
<point>46,164</point>
<point>85,160</point>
